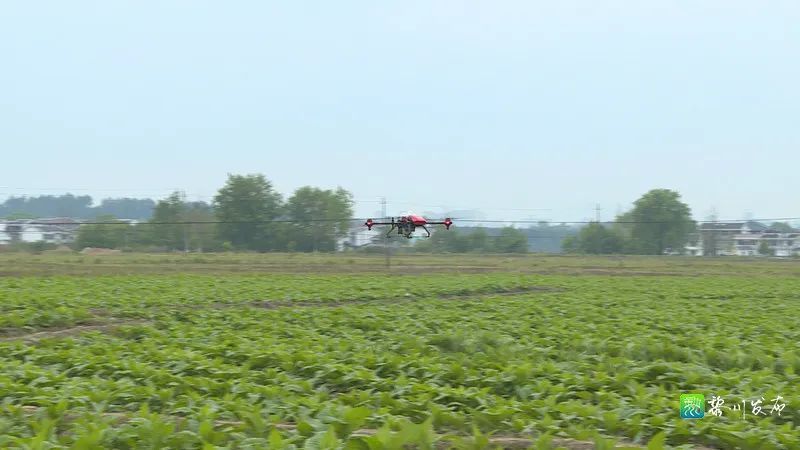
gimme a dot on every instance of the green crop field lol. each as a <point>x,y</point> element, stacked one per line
<point>334,351</point>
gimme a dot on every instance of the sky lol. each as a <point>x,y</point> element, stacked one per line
<point>519,109</point>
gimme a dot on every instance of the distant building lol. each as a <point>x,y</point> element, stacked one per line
<point>358,236</point>
<point>778,244</point>
<point>719,238</point>
<point>742,239</point>
<point>58,230</point>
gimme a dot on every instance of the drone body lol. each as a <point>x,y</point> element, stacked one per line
<point>406,225</point>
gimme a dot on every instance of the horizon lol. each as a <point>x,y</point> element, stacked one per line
<point>474,218</point>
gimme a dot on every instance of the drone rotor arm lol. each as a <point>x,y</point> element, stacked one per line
<point>370,223</point>
<point>446,222</point>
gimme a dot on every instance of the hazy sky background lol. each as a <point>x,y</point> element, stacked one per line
<point>493,105</point>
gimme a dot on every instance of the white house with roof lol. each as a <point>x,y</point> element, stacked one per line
<point>743,239</point>
<point>53,231</point>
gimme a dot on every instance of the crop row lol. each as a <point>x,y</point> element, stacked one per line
<point>601,357</point>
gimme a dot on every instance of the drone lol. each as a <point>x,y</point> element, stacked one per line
<point>406,225</point>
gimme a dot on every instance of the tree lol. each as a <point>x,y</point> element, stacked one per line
<point>764,249</point>
<point>478,241</point>
<point>49,206</point>
<point>508,240</point>
<point>320,218</point>
<point>78,207</point>
<point>247,205</point>
<point>111,233</point>
<point>570,244</point>
<point>781,227</point>
<point>163,228</point>
<point>201,236</point>
<point>660,221</point>
<point>452,241</point>
<point>21,216</point>
<point>595,239</point>
<point>546,238</point>
<point>511,240</point>
<point>126,208</point>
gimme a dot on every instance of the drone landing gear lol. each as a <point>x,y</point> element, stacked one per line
<point>426,230</point>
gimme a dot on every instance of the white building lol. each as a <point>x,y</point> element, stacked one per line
<point>5,238</point>
<point>779,244</point>
<point>52,231</point>
<point>359,236</point>
<point>720,238</point>
<point>743,239</point>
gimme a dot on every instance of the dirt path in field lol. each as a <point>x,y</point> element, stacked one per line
<point>506,442</point>
<point>274,304</point>
<point>36,336</point>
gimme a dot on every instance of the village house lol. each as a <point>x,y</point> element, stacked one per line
<point>748,238</point>
<point>58,230</point>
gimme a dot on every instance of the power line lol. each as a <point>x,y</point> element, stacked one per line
<point>772,219</point>
<point>213,232</point>
<point>351,219</point>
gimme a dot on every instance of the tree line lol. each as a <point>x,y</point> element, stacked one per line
<point>76,207</point>
<point>658,223</point>
<point>476,240</point>
<point>246,214</point>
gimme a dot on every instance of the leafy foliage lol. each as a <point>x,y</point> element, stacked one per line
<point>594,239</point>
<point>79,207</point>
<point>247,204</point>
<point>217,366</point>
<point>507,240</point>
<point>658,222</point>
<point>321,217</point>
<point>661,221</point>
<point>106,234</point>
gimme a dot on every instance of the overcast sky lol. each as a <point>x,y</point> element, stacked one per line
<point>494,105</point>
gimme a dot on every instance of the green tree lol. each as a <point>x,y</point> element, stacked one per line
<point>764,249</point>
<point>247,205</point>
<point>478,241</point>
<point>570,244</point>
<point>595,239</point>
<point>111,233</point>
<point>164,227</point>
<point>660,221</point>
<point>49,206</point>
<point>781,227</point>
<point>21,216</point>
<point>126,208</point>
<point>547,238</point>
<point>511,240</point>
<point>320,218</point>
<point>201,233</point>
<point>442,241</point>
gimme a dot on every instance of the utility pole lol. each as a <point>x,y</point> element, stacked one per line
<point>597,210</point>
<point>385,240</point>
<point>183,215</point>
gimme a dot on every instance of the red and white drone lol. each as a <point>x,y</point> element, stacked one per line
<point>406,225</point>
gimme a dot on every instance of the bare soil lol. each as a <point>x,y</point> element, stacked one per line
<point>68,331</point>
<point>274,304</point>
